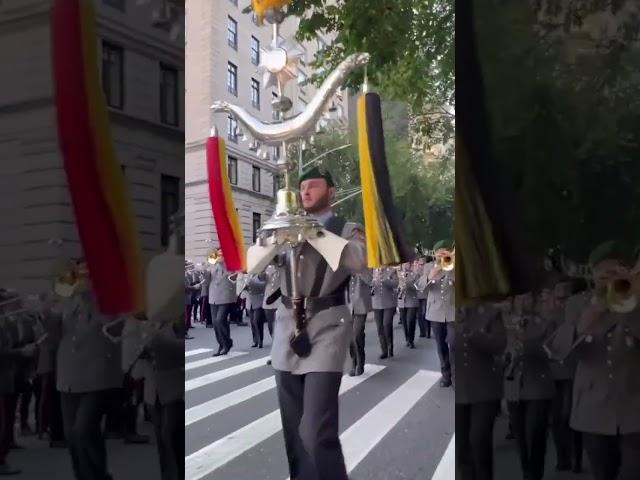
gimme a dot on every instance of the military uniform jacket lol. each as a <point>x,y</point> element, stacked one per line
<point>409,298</point>
<point>606,390</point>
<point>440,297</point>
<point>164,376</point>
<point>271,286</point>
<point>478,343</point>
<point>8,355</point>
<point>360,293</point>
<point>384,290</point>
<point>255,288</point>
<point>206,281</point>
<point>330,331</point>
<point>422,291</point>
<point>565,367</point>
<point>87,361</point>
<point>531,367</point>
<point>52,321</point>
<point>221,289</point>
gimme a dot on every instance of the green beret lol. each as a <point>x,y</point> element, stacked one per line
<point>315,172</point>
<point>442,244</point>
<point>610,249</point>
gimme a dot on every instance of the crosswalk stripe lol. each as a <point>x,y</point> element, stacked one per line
<point>367,432</point>
<point>216,405</point>
<point>219,453</point>
<point>447,467</point>
<point>197,351</point>
<point>213,360</point>
<point>210,378</point>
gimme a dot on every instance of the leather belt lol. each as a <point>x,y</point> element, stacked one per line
<point>315,305</point>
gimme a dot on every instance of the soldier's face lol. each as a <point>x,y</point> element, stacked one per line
<point>316,195</point>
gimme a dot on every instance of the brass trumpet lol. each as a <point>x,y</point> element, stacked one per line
<point>214,257</point>
<point>446,261</point>
<point>619,295</point>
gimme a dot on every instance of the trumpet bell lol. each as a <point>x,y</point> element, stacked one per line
<point>620,297</point>
<point>447,263</point>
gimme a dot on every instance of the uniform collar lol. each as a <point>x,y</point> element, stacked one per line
<point>324,217</point>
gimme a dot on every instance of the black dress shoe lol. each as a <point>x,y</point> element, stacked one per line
<point>254,345</point>
<point>422,335</point>
<point>411,345</point>
<point>6,469</point>
<point>408,344</point>
<point>352,373</point>
<point>391,353</point>
<point>268,362</point>
<point>218,353</point>
<point>259,345</point>
<point>445,382</point>
<point>359,370</point>
<point>383,356</point>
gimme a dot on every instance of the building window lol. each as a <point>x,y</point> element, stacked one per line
<point>232,33</point>
<point>232,129</point>
<point>233,170</point>
<point>257,223</point>
<point>232,79</point>
<point>169,204</point>
<point>256,179</point>
<point>255,51</point>
<point>255,93</point>
<point>302,81</point>
<point>168,95</point>
<point>113,74</point>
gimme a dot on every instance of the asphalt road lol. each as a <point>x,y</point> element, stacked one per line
<point>395,421</point>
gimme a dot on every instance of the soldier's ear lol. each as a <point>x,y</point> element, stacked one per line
<point>332,194</point>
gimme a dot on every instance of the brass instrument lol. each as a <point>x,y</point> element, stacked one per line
<point>66,280</point>
<point>618,295</point>
<point>214,257</point>
<point>446,261</point>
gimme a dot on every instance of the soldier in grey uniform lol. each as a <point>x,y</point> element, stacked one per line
<point>606,392</point>
<point>528,384</point>
<point>10,352</point>
<point>164,395</point>
<point>440,287</point>
<point>564,306</point>
<point>478,342</point>
<point>271,300</point>
<point>384,303</point>
<point>423,325</point>
<point>88,373</point>
<point>408,302</point>
<point>205,310</point>
<point>308,386</point>
<point>360,300</point>
<point>255,288</point>
<point>222,298</point>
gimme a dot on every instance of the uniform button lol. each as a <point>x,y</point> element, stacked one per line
<point>609,335</point>
<point>588,339</point>
<point>610,375</point>
<point>342,320</point>
<point>609,347</point>
<point>608,362</point>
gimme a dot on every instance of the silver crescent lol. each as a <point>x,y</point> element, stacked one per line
<point>300,125</point>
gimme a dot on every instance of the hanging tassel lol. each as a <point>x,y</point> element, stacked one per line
<point>103,210</point>
<point>224,211</point>
<point>386,241</point>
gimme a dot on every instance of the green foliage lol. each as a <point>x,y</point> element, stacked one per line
<point>423,195</point>
<point>565,121</point>
<point>411,43</point>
